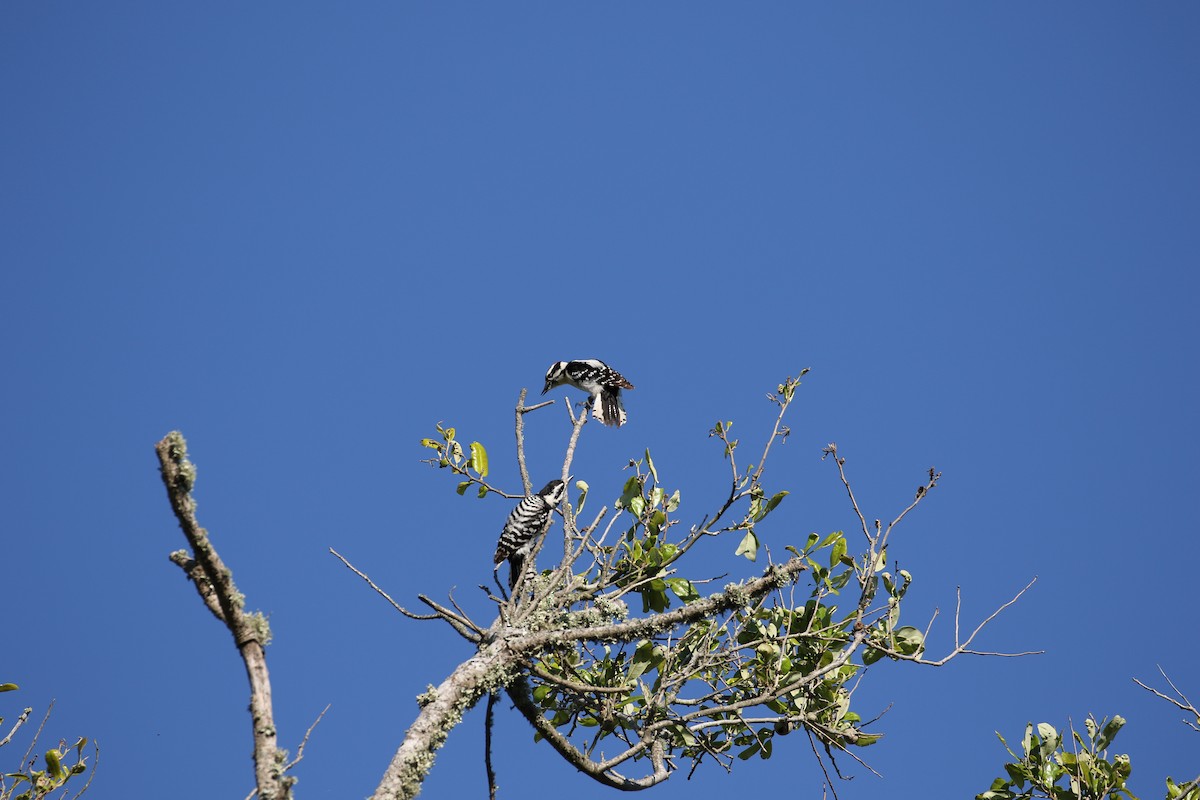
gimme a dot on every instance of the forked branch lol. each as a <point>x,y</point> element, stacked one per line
<point>214,581</point>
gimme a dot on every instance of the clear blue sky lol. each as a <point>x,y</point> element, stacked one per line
<point>303,234</point>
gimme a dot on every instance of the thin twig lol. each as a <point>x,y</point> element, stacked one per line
<point>37,733</point>
<point>576,686</point>
<point>821,762</point>
<point>831,450</point>
<point>465,627</point>
<point>521,411</point>
<point>381,592</point>
<point>92,773</point>
<point>20,721</point>
<point>304,741</point>
<point>1185,706</point>
<point>300,750</point>
<point>489,718</point>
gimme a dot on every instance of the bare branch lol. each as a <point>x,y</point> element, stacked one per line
<point>250,631</point>
<point>521,411</point>
<point>487,734</point>
<point>37,733</point>
<point>381,592</point>
<point>962,648</point>
<point>20,721</point>
<point>1183,704</point>
<point>465,627</point>
<point>831,450</point>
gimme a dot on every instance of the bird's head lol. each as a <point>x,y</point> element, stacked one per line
<point>554,375</point>
<point>553,492</point>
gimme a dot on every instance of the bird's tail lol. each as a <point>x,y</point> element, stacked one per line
<point>516,564</point>
<point>609,409</point>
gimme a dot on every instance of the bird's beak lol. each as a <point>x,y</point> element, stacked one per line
<point>546,388</point>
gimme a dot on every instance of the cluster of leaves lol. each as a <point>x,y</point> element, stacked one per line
<point>61,764</point>
<point>746,483</point>
<point>1075,767</point>
<point>720,687</point>
<point>451,455</point>
<point>641,562</point>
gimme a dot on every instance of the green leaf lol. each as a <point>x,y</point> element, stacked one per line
<point>479,458</point>
<point>673,501</point>
<point>632,489</point>
<point>483,490</point>
<point>656,497</point>
<point>1109,732</point>
<point>462,487</point>
<point>684,589</point>
<point>448,434</point>
<point>749,546</point>
<point>8,687</point>
<point>655,599</point>
<point>881,560</point>
<point>828,540</point>
<point>839,550</point>
<point>637,504</point>
<point>650,464</point>
<point>54,764</point>
<point>430,443</point>
<point>775,500</point>
<point>909,640</point>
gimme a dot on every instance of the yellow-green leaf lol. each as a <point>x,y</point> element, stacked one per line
<point>749,546</point>
<point>53,764</point>
<point>479,458</point>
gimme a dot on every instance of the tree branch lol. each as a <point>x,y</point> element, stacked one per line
<point>518,691</point>
<point>1183,704</point>
<point>250,632</point>
<point>521,411</point>
<point>734,596</point>
<point>441,709</point>
<point>381,592</point>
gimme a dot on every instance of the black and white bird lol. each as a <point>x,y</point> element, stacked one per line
<point>529,520</point>
<point>599,380</point>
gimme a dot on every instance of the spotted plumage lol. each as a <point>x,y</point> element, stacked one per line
<point>529,520</point>
<point>602,383</point>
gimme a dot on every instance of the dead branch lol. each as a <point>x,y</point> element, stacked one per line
<point>214,581</point>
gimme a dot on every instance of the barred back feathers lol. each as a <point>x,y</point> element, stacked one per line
<point>602,383</point>
<point>529,520</point>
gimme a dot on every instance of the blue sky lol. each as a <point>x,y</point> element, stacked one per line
<point>304,234</point>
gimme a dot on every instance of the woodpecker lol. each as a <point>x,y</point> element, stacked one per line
<point>602,383</point>
<point>529,520</point>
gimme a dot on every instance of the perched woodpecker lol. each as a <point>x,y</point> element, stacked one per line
<point>602,383</point>
<point>529,520</point>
